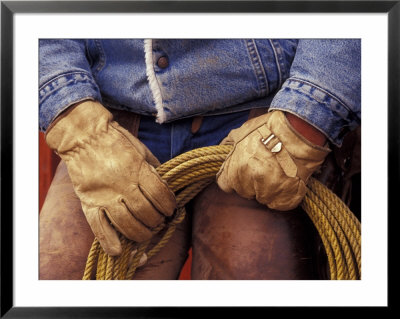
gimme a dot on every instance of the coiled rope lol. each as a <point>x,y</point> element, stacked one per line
<point>188,174</point>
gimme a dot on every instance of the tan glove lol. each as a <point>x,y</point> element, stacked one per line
<point>112,173</point>
<point>270,162</point>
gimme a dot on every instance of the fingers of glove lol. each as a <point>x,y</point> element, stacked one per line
<point>236,176</point>
<point>156,190</point>
<point>227,141</point>
<point>246,176</point>
<point>222,177</point>
<point>140,207</point>
<point>150,158</point>
<point>103,230</point>
<point>138,145</point>
<point>268,186</point>
<point>271,184</point>
<point>147,154</point>
<point>126,223</point>
<point>291,195</point>
<point>241,173</point>
<point>274,188</point>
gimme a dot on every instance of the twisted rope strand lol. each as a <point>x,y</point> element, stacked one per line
<point>333,240</point>
<point>307,206</point>
<point>136,259</point>
<point>350,224</point>
<point>198,152</point>
<point>339,226</point>
<point>191,172</point>
<point>189,164</point>
<point>91,260</point>
<point>101,265</point>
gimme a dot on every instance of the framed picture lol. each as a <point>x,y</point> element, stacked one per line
<point>24,23</point>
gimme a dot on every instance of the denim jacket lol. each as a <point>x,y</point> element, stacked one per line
<point>318,80</point>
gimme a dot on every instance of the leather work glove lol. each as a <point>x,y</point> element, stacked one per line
<point>113,175</point>
<point>270,161</point>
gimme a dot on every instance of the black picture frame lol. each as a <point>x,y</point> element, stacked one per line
<point>9,8</point>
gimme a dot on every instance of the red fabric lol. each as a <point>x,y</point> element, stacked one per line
<point>186,270</point>
<point>48,162</point>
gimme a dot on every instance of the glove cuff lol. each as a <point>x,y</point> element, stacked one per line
<point>77,124</point>
<point>307,156</point>
<point>290,136</point>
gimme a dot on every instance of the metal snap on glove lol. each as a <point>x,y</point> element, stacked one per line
<point>113,175</point>
<point>270,162</point>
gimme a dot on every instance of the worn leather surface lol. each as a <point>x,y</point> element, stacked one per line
<point>269,162</point>
<point>112,173</point>
<point>64,234</point>
<point>236,238</point>
<point>233,238</point>
<point>66,237</point>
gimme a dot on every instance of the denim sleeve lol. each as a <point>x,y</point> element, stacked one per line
<point>65,78</point>
<point>324,86</point>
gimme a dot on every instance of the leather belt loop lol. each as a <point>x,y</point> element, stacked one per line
<point>135,125</point>
<point>198,120</point>
<point>128,120</point>
<point>257,112</point>
<point>196,124</point>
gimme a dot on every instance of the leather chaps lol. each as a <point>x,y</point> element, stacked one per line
<point>230,237</point>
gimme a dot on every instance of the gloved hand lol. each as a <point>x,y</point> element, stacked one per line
<point>270,162</point>
<point>112,173</point>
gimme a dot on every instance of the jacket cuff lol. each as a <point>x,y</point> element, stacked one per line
<point>63,91</point>
<point>316,106</point>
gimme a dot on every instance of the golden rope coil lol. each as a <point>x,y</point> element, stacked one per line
<point>188,174</point>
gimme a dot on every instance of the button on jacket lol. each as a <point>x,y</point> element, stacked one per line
<point>318,80</point>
